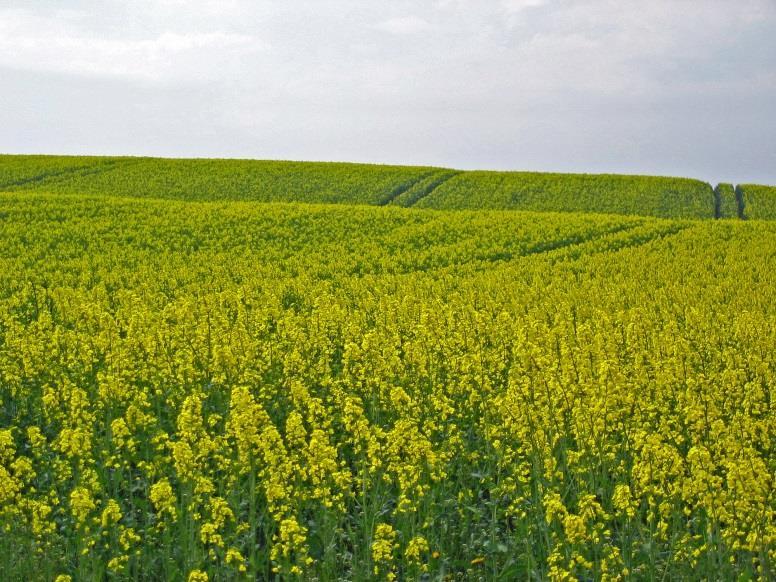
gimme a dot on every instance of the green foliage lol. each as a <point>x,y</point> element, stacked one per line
<point>759,201</point>
<point>644,195</point>
<point>207,179</point>
<point>726,202</point>
<point>27,171</point>
<point>423,188</point>
<point>262,181</point>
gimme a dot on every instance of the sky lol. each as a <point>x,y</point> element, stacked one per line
<point>669,87</point>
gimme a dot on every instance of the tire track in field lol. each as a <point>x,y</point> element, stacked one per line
<point>740,202</point>
<point>575,251</point>
<point>402,188</point>
<point>88,169</point>
<point>42,182</point>
<point>548,250</point>
<point>413,198</point>
<point>628,241</point>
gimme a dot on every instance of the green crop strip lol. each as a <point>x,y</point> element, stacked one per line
<point>417,187</point>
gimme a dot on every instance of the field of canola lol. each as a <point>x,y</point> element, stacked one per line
<point>226,390</point>
<point>423,187</point>
<point>759,202</point>
<point>382,185</point>
<point>644,195</point>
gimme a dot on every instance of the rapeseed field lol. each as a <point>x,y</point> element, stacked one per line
<point>238,391</point>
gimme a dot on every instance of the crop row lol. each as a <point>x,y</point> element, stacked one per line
<point>644,195</point>
<point>757,202</point>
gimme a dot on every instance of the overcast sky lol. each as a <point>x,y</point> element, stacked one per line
<point>675,87</point>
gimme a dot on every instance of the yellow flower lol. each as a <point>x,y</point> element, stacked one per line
<point>236,559</point>
<point>111,514</point>
<point>163,499</point>
<point>383,548</point>
<point>623,501</point>
<point>118,564</point>
<point>290,547</point>
<point>416,552</point>
<point>81,505</point>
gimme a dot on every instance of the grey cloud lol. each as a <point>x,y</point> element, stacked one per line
<point>404,25</point>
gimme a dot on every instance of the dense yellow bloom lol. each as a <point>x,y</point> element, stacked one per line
<point>82,505</point>
<point>111,514</point>
<point>383,548</point>
<point>163,498</point>
<point>417,552</point>
<point>41,522</point>
<point>220,514</point>
<point>328,479</point>
<point>623,501</point>
<point>316,392</point>
<point>289,550</point>
<point>574,526</point>
<point>296,435</point>
<point>7,447</point>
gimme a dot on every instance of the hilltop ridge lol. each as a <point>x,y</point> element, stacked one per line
<point>373,184</point>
